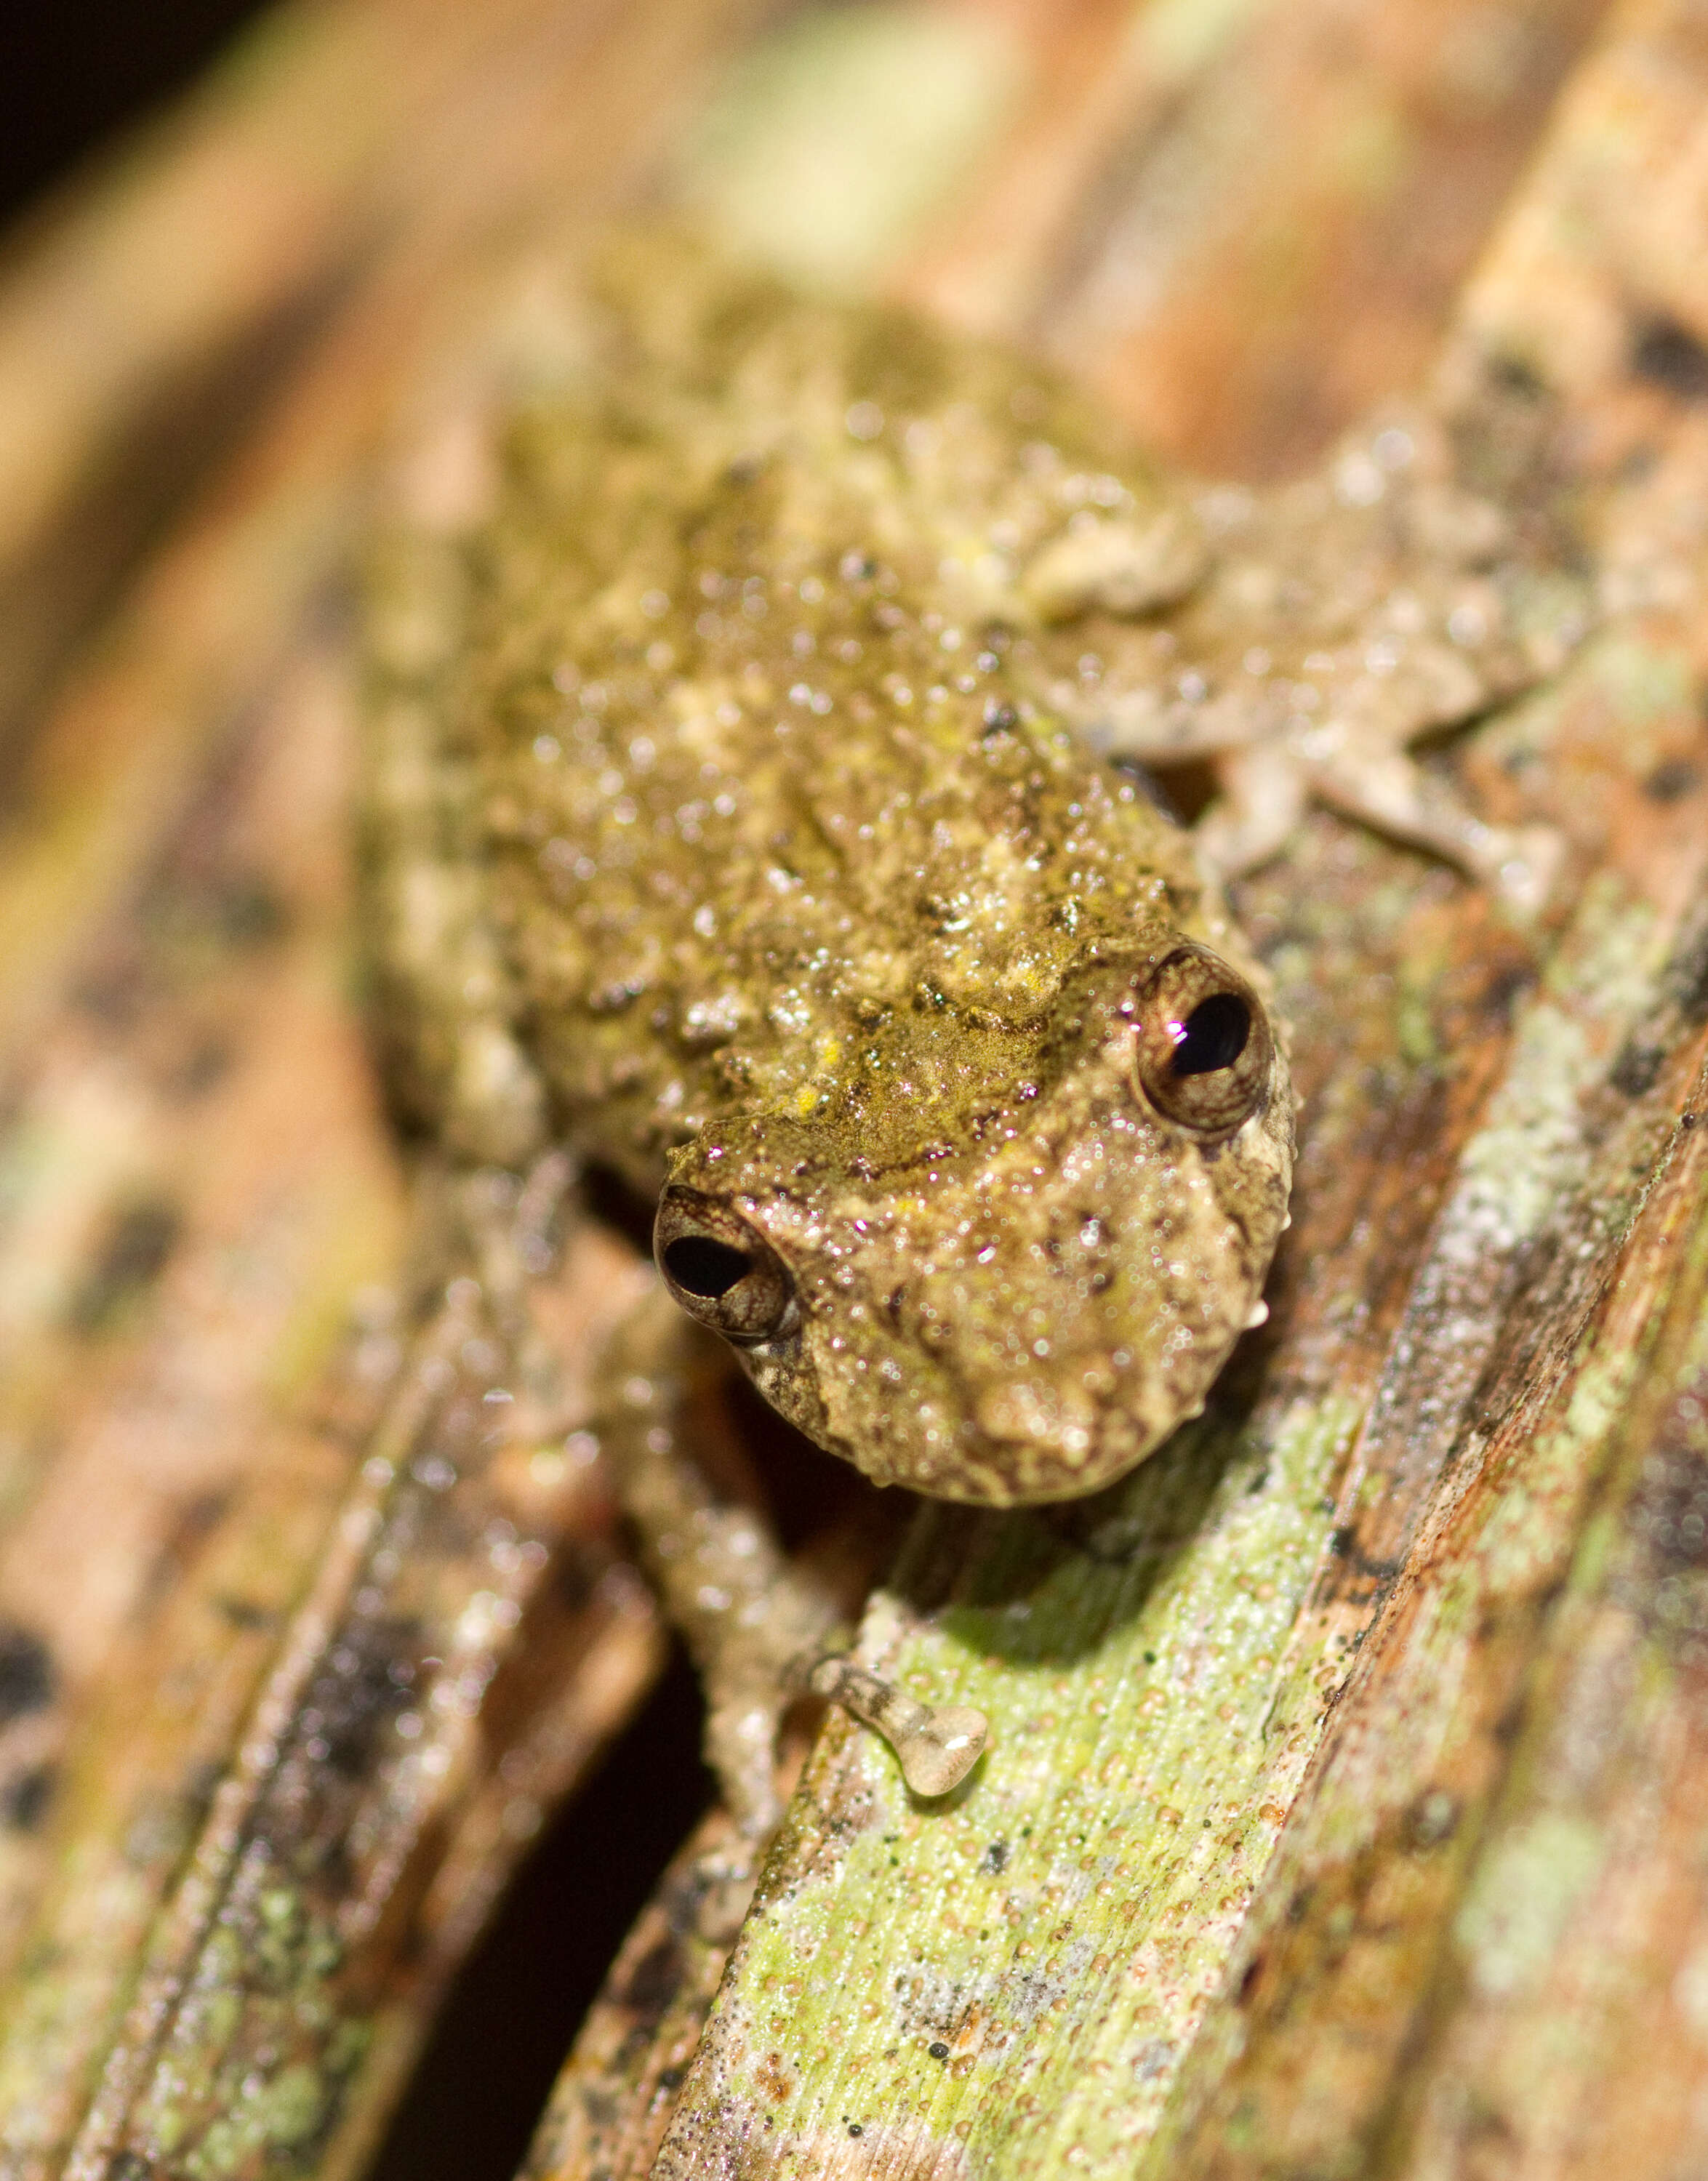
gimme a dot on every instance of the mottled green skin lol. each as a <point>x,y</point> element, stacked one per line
<point>725,841</point>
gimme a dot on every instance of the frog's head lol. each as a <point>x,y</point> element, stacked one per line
<point>1006,1281</point>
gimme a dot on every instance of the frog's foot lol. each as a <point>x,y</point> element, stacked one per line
<point>1335,620</point>
<point>754,1623</point>
<point>759,1628</point>
<point>755,1627</point>
<point>1389,793</point>
<point>1265,789</point>
<point>937,1746</point>
<point>1348,751</point>
<point>759,1671</point>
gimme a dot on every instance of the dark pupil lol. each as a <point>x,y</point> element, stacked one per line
<point>1213,1036</point>
<point>705,1267</point>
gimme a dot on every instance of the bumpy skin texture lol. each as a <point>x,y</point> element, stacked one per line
<point>718,831</point>
<point>740,815</point>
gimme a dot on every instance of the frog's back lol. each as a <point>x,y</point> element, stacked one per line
<point>714,767</point>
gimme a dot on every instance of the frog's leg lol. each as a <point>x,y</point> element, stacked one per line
<point>1268,769</point>
<point>1384,789</point>
<point>1349,750</point>
<point>1262,798</point>
<point>758,1629</point>
<point>1330,624</point>
<point>755,1626</point>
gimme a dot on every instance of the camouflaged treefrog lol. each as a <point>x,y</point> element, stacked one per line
<point>742,819</point>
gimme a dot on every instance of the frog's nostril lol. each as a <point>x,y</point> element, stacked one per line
<point>703,1267</point>
<point>1213,1036</point>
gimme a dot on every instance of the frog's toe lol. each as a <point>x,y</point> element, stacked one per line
<point>1262,799</point>
<point>937,1747</point>
<point>1385,790</point>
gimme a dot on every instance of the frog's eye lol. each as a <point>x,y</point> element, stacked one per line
<point>720,1268</point>
<point>1205,1050</point>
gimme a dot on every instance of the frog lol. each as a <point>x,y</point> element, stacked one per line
<point>756,811</point>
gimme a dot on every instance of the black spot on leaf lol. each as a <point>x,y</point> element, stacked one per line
<point>1671,780</point>
<point>26,1674</point>
<point>23,1801</point>
<point>140,1238</point>
<point>1669,355</point>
